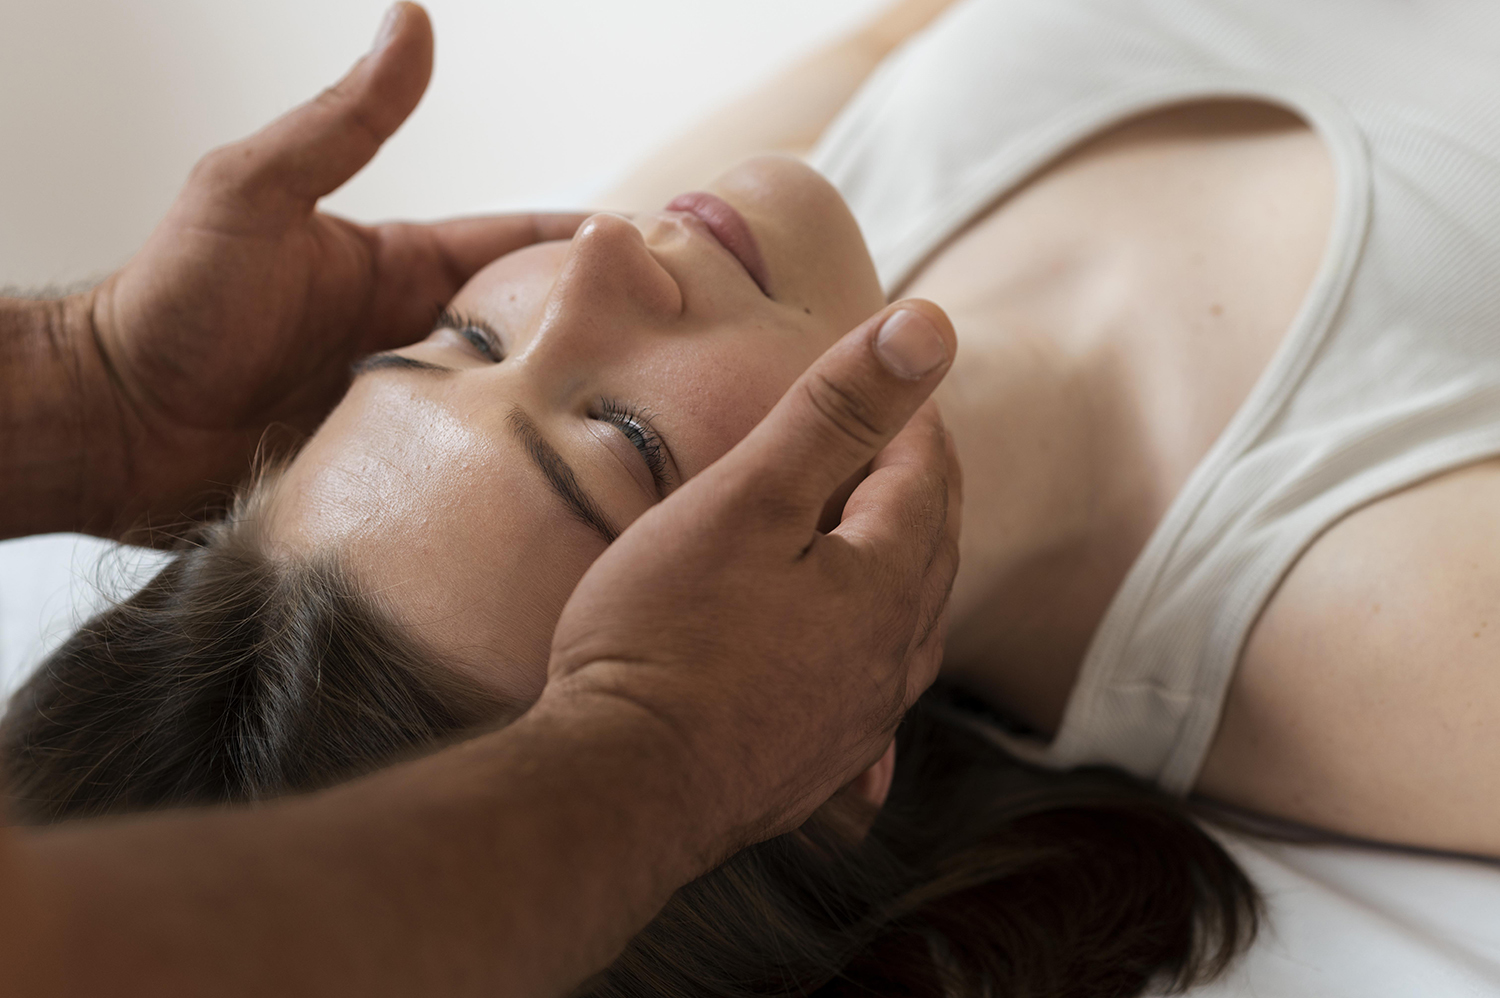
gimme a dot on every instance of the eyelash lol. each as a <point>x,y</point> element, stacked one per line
<point>477,333</point>
<point>636,425</point>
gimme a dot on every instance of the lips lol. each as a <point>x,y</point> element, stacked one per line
<point>728,227</point>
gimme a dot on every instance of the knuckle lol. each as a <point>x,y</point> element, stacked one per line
<point>946,571</point>
<point>332,99</point>
<point>237,176</point>
<point>925,519</point>
<point>934,489</point>
<point>357,115</point>
<point>220,168</point>
<point>848,411</point>
<point>342,105</point>
<point>948,552</point>
<point>923,535</point>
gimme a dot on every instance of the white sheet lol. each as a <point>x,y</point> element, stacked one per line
<point>50,584</point>
<point>1367,923</point>
<point>1345,921</point>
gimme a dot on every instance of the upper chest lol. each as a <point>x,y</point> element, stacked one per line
<point>1113,313</point>
<point>1142,281</point>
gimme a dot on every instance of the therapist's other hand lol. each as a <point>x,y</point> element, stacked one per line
<point>782,658</point>
<point>246,305</point>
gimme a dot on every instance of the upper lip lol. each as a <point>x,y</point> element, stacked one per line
<point>729,229</point>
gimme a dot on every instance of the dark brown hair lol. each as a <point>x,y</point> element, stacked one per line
<point>234,677</point>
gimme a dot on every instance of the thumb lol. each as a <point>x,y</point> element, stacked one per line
<point>846,407</point>
<point>312,150</point>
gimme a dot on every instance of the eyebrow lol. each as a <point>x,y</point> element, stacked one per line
<point>385,361</point>
<point>554,468</point>
<point>559,475</point>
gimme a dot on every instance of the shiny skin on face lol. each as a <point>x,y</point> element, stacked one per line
<point>440,480</point>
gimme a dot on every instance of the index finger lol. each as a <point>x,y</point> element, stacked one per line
<point>909,508</point>
<point>906,516</point>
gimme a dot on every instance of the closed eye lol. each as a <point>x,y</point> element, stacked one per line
<point>480,334</point>
<point>636,427</point>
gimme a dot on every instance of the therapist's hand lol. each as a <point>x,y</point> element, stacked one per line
<point>246,305</point>
<point>782,658</point>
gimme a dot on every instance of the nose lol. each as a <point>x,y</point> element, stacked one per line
<point>610,294</point>
<point>610,274</point>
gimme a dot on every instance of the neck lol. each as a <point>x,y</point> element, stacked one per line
<point>1055,509</point>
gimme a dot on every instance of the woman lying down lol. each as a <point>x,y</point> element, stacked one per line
<point>1227,286</point>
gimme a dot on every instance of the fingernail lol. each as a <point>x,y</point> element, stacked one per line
<point>909,345</point>
<point>387,28</point>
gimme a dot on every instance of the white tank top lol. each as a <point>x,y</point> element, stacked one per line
<point>1389,374</point>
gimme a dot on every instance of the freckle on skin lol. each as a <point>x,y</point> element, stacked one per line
<point>807,310</point>
<point>1216,310</point>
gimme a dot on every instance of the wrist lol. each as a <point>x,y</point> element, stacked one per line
<point>656,770</point>
<point>713,788</point>
<point>63,427</point>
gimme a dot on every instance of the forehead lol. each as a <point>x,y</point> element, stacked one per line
<point>511,291</point>
<point>441,519</point>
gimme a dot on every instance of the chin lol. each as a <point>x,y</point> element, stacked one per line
<point>808,236</point>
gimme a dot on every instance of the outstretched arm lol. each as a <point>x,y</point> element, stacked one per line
<point>132,402</point>
<point>747,667</point>
<point>786,114</point>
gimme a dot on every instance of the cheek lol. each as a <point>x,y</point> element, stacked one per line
<point>715,400</point>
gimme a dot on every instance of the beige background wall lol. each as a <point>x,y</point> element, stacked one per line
<point>105,104</point>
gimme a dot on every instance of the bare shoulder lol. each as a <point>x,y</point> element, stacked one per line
<point>1367,700</point>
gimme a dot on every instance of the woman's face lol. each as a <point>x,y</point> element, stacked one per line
<point>469,480</point>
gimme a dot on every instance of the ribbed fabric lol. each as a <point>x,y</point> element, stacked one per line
<point>1390,372</point>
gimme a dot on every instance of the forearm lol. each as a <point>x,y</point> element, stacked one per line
<point>516,864</point>
<point>61,428</point>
